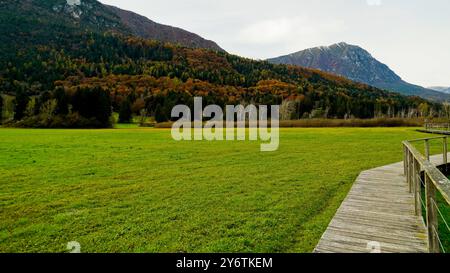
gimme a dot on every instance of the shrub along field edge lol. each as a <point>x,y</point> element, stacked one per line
<point>322,123</point>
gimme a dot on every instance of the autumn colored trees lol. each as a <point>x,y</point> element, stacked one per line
<point>80,78</point>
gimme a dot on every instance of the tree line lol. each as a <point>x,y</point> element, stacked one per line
<point>80,78</point>
<point>83,108</point>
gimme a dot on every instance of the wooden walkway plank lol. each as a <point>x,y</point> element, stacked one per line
<point>378,209</point>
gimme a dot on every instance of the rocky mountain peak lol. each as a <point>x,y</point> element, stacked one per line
<point>343,59</point>
<point>357,64</point>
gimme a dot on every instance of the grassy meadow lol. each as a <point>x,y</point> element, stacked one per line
<point>136,190</point>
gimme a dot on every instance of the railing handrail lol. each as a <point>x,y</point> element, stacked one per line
<point>437,125</point>
<point>434,181</point>
<point>440,181</point>
<point>425,139</point>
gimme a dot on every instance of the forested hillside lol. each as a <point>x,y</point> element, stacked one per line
<point>95,16</point>
<point>65,76</point>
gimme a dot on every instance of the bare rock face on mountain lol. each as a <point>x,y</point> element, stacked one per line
<point>357,64</point>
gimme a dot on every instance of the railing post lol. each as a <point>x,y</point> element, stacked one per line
<point>405,150</point>
<point>432,222</point>
<point>411,172</point>
<point>445,153</point>
<point>417,188</point>
<point>407,165</point>
<point>427,149</point>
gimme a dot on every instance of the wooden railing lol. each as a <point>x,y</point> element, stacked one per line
<point>444,127</point>
<point>421,173</point>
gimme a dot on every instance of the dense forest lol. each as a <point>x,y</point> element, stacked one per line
<point>62,76</point>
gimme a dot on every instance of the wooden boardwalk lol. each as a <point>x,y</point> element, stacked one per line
<point>378,214</point>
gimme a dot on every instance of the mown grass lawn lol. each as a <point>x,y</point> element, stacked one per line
<point>136,190</point>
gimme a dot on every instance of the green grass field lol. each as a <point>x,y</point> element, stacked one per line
<point>137,190</point>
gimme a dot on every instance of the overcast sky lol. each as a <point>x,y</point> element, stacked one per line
<point>411,36</point>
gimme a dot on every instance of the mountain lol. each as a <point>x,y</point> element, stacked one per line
<point>145,28</point>
<point>69,63</point>
<point>440,89</point>
<point>51,15</point>
<point>357,64</point>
